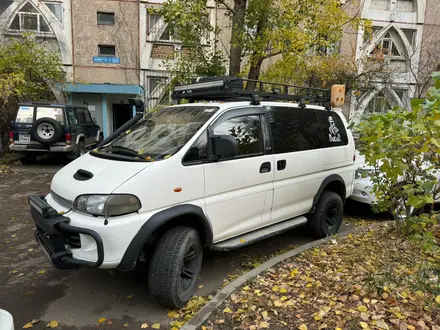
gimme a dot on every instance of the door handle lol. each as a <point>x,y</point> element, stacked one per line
<point>265,167</point>
<point>281,165</point>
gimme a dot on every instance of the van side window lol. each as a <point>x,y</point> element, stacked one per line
<point>246,130</point>
<point>199,150</point>
<point>333,128</point>
<point>295,129</point>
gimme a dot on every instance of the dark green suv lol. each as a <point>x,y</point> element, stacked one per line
<point>42,128</point>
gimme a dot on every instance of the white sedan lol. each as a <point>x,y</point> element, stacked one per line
<point>362,191</point>
<point>362,183</point>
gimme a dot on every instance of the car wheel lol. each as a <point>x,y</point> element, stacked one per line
<point>175,267</point>
<point>46,131</point>
<point>80,149</point>
<point>28,159</point>
<point>328,216</point>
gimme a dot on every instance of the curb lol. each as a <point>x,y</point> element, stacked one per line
<point>206,311</point>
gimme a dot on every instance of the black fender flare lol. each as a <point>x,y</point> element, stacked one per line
<point>329,180</point>
<point>156,221</point>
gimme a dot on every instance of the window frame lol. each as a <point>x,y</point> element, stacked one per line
<point>106,55</point>
<point>20,14</point>
<point>105,13</point>
<point>266,141</point>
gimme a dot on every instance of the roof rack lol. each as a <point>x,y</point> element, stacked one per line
<point>234,89</point>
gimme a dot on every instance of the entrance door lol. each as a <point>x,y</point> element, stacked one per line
<point>121,114</point>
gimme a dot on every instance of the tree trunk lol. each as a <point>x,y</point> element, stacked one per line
<point>254,73</point>
<point>236,44</point>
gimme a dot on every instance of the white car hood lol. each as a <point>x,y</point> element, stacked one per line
<point>108,174</point>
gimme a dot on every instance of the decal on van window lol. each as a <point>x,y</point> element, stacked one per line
<point>334,135</point>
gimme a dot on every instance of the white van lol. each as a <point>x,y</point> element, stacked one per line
<point>219,175</point>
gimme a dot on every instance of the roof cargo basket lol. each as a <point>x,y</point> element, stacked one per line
<point>234,89</point>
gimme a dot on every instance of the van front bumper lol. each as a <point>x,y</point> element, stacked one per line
<point>52,230</point>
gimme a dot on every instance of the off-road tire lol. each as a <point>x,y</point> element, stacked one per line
<point>28,159</point>
<point>328,215</point>
<point>57,133</point>
<point>165,280</point>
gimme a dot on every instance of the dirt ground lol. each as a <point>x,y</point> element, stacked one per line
<point>30,288</point>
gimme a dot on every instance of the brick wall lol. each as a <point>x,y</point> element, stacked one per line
<point>163,52</point>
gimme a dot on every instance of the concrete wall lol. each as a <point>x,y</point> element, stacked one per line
<point>87,35</point>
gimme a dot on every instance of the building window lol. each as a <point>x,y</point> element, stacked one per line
<point>155,26</point>
<point>106,50</point>
<point>407,6</point>
<point>386,46</point>
<point>28,18</point>
<point>106,18</point>
<point>56,9</point>
<point>378,104</point>
<point>380,4</point>
<point>411,36</point>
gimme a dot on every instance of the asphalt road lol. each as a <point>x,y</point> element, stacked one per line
<point>31,289</point>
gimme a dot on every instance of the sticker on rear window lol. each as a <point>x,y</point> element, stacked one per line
<point>334,135</point>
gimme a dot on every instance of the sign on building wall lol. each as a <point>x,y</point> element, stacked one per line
<point>106,59</point>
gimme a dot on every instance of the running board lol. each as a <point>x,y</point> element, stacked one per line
<point>258,235</point>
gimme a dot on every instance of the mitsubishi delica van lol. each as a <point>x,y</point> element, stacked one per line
<point>229,168</point>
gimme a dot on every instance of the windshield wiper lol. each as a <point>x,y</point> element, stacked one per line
<point>124,151</point>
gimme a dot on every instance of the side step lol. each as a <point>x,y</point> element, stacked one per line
<point>259,234</point>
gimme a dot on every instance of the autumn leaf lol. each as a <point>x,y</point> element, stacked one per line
<point>275,288</point>
<point>130,296</point>
<point>263,325</point>
<point>227,310</point>
<point>156,326</point>
<point>173,314</point>
<point>362,308</point>
<point>35,321</point>
<point>41,272</point>
<point>302,327</point>
<point>125,325</point>
<point>437,299</point>
<point>282,290</point>
<point>101,320</point>
<point>246,288</point>
<point>144,325</point>
<point>28,325</point>
<point>364,325</point>
<point>52,324</point>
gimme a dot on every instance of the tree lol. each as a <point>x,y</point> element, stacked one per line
<point>28,71</point>
<point>262,28</point>
<point>404,147</point>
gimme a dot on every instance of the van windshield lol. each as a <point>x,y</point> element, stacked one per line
<point>163,134</point>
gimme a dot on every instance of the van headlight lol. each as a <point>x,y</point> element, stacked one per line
<point>107,205</point>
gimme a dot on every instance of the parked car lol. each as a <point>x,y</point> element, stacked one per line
<point>6,320</point>
<point>220,175</point>
<point>42,128</point>
<point>363,192</point>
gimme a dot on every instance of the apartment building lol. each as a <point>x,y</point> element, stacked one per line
<point>406,33</point>
<point>113,50</point>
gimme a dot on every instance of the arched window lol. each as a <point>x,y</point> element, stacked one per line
<point>28,18</point>
<point>378,104</point>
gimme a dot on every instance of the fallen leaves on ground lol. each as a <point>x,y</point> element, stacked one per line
<point>101,320</point>
<point>52,324</point>
<point>144,325</point>
<point>156,326</point>
<point>28,325</point>
<point>375,279</point>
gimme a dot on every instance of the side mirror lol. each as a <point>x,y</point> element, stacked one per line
<point>223,146</point>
